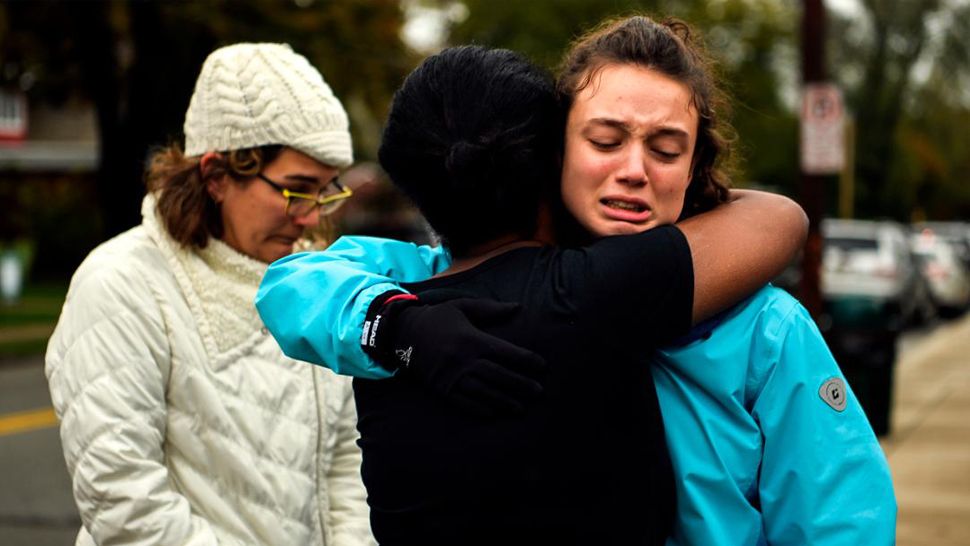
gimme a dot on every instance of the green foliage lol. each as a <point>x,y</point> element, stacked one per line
<point>541,29</point>
<point>354,43</point>
<point>905,67</point>
<point>136,62</point>
<point>40,304</point>
<point>935,160</point>
<point>26,325</point>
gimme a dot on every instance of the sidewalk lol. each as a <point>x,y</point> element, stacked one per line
<point>929,446</point>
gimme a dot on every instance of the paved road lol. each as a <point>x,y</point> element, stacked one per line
<point>36,506</point>
<point>929,449</point>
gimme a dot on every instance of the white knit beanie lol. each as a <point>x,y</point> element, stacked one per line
<point>250,95</point>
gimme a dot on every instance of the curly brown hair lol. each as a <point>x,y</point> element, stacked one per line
<point>188,212</point>
<point>673,49</point>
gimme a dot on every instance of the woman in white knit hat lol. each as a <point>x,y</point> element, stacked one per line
<point>181,420</point>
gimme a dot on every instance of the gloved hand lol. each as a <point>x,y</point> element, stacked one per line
<point>441,345</point>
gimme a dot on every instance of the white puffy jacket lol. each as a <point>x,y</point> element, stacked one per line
<point>181,420</point>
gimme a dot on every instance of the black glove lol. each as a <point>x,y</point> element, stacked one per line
<point>441,345</point>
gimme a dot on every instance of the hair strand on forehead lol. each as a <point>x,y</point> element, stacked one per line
<point>672,49</point>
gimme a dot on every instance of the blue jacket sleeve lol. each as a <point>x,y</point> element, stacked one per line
<point>824,478</point>
<point>314,303</point>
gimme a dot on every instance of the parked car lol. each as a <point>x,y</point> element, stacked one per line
<point>871,290</point>
<point>944,271</point>
<point>869,278</point>
<point>957,234</point>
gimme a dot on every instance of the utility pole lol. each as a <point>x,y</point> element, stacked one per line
<point>812,190</point>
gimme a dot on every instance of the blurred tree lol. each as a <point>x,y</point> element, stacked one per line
<point>356,44</point>
<point>935,159</point>
<point>934,134</point>
<point>137,61</point>
<point>542,29</point>
<point>906,68</point>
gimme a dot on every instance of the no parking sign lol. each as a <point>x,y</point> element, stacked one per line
<point>822,129</point>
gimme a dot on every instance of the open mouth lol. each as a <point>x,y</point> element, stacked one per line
<point>623,205</point>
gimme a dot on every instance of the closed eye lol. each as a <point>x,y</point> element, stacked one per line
<point>604,145</point>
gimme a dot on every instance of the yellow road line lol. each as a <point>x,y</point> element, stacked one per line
<point>26,421</point>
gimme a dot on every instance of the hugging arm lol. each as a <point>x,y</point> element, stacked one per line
<point>325,307</point>
<point>670,277</point>
<point>741,245</point>
<point>314,303</point>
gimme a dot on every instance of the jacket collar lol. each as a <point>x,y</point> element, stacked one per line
<point>218,282</point>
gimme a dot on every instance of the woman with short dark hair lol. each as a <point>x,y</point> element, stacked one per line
<point>451,131</point>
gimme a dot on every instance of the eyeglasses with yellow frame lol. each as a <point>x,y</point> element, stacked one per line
<point>329,198</point>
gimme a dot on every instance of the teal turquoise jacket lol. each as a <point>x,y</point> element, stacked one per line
<point>768,443</point>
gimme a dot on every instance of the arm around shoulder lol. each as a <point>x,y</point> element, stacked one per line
<point>741,245</point>
<point>315,303</point>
